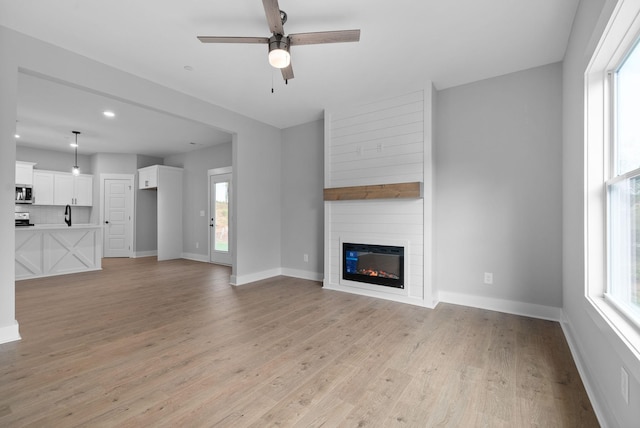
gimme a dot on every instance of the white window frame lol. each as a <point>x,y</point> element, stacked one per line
<point>619,37</point>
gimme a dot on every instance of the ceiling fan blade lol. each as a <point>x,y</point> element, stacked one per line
<point>287,72</point>
<point>222,39</point>
<point>272,11</point>
<point>324,37</point>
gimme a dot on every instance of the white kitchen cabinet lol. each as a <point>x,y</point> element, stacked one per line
<point>148,177</point>
<point>167,180</point>
<point>72,190</point>
<point>83,190</point>
<point>42,187</point>
<point>63,189</point>
<point>24,173</point>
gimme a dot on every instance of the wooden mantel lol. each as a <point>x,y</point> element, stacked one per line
<point>379,191</point>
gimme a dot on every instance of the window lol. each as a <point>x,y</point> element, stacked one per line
<point>612,133</point>
<point>623,188</point>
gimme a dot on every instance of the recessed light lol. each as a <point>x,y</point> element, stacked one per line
<point>109,113</point>
<point>17,135</point>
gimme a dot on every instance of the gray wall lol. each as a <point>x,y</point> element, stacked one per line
<point>108,163</point>
<point>146,236</point>
<point>498,151</point>
<point>54,161</point>
<point>601,353</point>
<point>302,200</point>
<point>195,196</point>
<point>8,102</point>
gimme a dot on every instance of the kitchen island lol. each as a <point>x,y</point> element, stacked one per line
<point>57,249</point>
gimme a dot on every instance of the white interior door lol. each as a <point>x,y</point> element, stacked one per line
<point>220,211</point>
<point>117,217</point>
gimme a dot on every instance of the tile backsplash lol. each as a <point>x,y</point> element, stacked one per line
<point>46,214</point>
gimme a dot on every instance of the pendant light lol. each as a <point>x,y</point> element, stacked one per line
<point>76,169</point>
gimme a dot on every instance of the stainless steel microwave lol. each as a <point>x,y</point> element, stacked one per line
<point>24,194</point>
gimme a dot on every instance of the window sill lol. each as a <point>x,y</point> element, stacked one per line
<point>609,321</point>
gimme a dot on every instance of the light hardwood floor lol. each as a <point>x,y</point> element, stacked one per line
<point>146,343</point>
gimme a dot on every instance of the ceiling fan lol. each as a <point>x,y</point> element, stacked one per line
<point>279,43</point>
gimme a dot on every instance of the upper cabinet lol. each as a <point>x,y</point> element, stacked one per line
<point>24,173</point>
<point>62,188</point>
<point>148,177</point>
<point>83,190</point>
<point>43,187</point>
<point>72,190</point>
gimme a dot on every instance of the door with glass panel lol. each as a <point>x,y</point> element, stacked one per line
<point>220,218</point>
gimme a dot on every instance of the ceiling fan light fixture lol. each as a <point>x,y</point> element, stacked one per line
<point>279,56</point>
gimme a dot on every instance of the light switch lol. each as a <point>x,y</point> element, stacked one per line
<point>201,213</point>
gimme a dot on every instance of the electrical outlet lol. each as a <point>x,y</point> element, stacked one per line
<point>488,278</point>
<point>624,384</point>
<point>306,258</point>
<point>197,245</point>
<point>201,213</point>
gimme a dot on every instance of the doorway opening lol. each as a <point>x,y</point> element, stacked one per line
<point>220,215</point>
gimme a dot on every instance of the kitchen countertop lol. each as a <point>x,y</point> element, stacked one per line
<point>59,226</point>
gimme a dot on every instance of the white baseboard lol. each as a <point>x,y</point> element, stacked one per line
<point>585,376</point>
<point>379,295</point>
<point>196,257</point>
<point>507,306</point>
<point>138,254</point>
<point>253,277</point>
<point>302,274</point>
<point>69,272</point>
<point>10,333</point>
<point>259,276</point>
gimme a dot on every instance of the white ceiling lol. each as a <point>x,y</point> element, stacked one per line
<point>48,111</point>
<point>403,44</point>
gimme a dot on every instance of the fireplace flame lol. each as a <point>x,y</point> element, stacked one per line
<point>380,273</point>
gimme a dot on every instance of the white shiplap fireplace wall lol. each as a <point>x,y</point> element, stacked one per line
<point>383,142</point>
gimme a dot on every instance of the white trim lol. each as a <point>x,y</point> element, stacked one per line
<point>585,375</point>
<point>66,272</point>
<point>253,277</point>
<point>195,257</point>
<point>10,333</point>
<point>377,294</point>
<point>139,254</point>
<point>302,274</point>
<point>500,305</point>
<point>220,171</point>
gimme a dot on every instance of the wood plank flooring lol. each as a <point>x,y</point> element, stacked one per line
<point>171,344</point>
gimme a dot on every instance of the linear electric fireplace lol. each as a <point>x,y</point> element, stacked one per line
<point>373,264</point>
